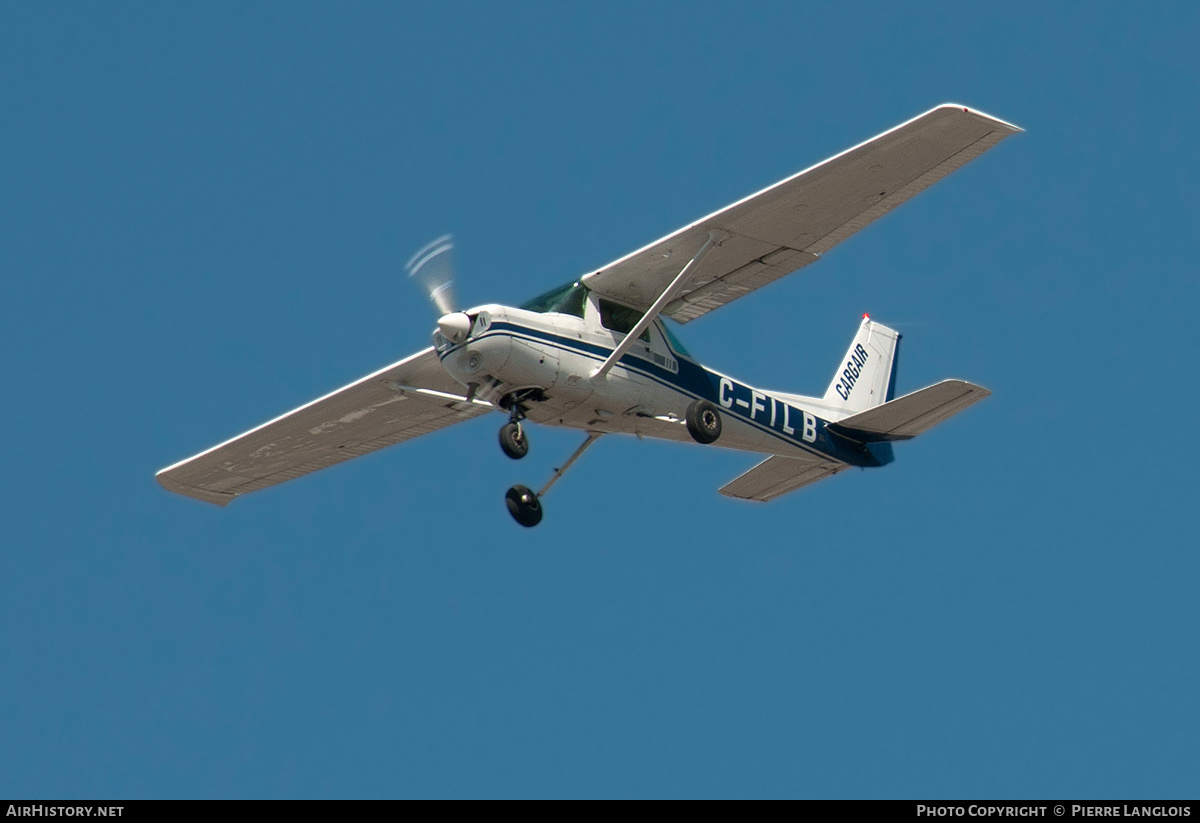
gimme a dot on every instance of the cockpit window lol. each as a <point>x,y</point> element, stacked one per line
<point>568,299</point>
<point>620,318</point>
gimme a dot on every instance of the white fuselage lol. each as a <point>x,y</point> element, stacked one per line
<point>550,357</point>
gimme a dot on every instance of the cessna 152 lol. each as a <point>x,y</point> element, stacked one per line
<point>595,354</point>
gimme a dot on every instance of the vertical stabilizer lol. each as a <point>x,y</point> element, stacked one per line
<point>866,376</point>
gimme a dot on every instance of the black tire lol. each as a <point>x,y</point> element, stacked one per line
<point>513,441</point>
<point>524,506</point>
<point>703,421</point>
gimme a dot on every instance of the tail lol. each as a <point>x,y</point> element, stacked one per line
<point>864,388</point>
<point>867,376</point>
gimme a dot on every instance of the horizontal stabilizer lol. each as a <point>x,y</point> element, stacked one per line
<point>912,414</point>
<point>776,476</point>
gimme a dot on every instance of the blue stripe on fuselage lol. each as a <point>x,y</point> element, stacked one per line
<point>772,415</point>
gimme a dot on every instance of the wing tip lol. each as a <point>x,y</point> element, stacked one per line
<point>982,115</point>
<point>972,388</point>
<point>172,485</point>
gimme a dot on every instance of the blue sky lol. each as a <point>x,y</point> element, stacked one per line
<point>206,212</point>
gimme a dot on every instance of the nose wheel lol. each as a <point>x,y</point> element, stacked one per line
<point>513,441</point>
<point>525,505</point>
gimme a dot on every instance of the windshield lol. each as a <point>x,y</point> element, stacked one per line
<point>568,299</point>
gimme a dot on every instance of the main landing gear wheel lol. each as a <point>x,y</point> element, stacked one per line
<point>523,505</point>
<point>703,421</point>
<point>513,441</point>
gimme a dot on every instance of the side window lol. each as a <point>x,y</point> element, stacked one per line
<point>620,318</point>
<point>674,341</point>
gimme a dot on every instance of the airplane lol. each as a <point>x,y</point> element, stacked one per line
<point>596,355</point>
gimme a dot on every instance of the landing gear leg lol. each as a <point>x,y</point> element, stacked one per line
<point>513,441</point>
<point>524,505</point>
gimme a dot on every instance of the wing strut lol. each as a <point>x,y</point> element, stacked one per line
<point>715,236</point>
<point>591,438</point>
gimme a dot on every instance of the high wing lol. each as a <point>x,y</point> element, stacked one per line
<point>790,224</point>
<point>397,403</point>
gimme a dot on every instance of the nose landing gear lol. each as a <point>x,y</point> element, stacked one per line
<point>524,505</point>
<point>513,441</point>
